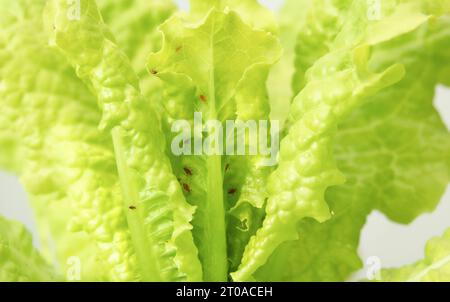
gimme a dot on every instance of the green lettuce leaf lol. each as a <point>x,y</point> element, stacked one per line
<point>307,167</point>
<point>291,18</point>
<point>66,165</point>
<point>87,125</point>
<point>134,25</point>
<point>383,149</point>
<point>19,260</point>
<point>434,267</point>
<point>48,138</point>
<point>323,21</point>
<point>157,213</point>
<point>253,13</point>
<point>213,67</point>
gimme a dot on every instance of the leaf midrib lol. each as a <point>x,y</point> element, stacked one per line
<point>215,263</point>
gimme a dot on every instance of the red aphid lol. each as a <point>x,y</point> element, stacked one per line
<point>232,191</point>
<point>187,171</point>
<point>186,188</point>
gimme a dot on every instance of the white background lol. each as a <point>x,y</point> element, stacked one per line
<point>393,244</point>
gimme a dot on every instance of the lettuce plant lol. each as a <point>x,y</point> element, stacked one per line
<point>90,92</point>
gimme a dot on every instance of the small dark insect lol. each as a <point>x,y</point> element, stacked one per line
<point>227,166</point>
<point>186,188</point>
<point>232,191</point>
<point>203,98</point>
<point>153,71</point>
<point>244,225</point>
<point>187,171</point>
<point>132,207</point>
<point>179,48</point>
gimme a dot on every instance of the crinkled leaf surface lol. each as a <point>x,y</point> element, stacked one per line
<point>291,18</point>
<point>214,68</point>
<point>54,120</point>
<point>112,193</point>
<point>75,162</point>
<point>157,213</point>
<point>393,170</point>
<point>314,115</point>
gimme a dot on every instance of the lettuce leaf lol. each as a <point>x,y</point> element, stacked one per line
<point>98,211</point>
<point>434,267</point>
<point>291,18</point>
<point>19,261</point>
<point>307,150</point>
<point>323,21</point>
<point>157,213</point>
<point>134,25</point>
<point>87,126</point>
<point>254,14</point>
<point>195,65</point>
<point>397,173</point>
<point>63,156</point>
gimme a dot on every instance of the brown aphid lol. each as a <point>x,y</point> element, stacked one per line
<point>153,71</point>
<point>187,171</point>
<point>186,188</point>
<point>203,99</point>
<point>132,207</point>
<point>232,191</point>
<point>227,166</point>
<point>179,48</point>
